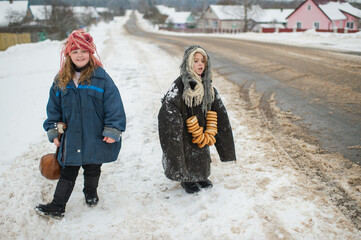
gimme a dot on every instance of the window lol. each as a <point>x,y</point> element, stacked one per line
<point>349,25</point>
<point>299,25</point>
<point>316,25</point>
<point>309,7</point>
<point>215,24</point>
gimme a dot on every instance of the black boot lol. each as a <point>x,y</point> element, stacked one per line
<point>56,208</point>
<point>52,209</point>
<point>90,190</point>
<point>205,184</point>
<point>190,187</point>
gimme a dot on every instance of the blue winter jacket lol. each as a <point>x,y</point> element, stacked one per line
<point>90,111</point>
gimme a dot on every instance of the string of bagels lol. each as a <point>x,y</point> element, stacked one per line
<point>208,136</point>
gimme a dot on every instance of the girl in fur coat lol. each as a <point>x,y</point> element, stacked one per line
<point>85,98</point>
<point>185,145</point>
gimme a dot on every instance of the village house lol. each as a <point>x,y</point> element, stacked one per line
<point>229,18</point>
<point>13,12</point>
<point>272,18</point>
<point>181,20</point>
<point>324,15</point>
<point>164,10</point>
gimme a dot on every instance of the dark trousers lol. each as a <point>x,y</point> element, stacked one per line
<point>70,173</point>
<point>67,179</point>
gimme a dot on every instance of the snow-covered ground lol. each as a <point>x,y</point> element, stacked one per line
<point>261,196</point>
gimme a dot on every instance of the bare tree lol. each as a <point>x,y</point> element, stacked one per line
<point>62,19</point>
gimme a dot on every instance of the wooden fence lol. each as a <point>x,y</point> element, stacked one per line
<point>10,39</point>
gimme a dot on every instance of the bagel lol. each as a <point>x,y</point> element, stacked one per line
<point>192,119</point>
<point>212,139</point>
<point>192,124</point>
<point>212,128</point>
<point>212,113</point>
<point>204,142</point>
<point>211,119</point>
<point>197,132</point>
<point>210,142</point>
<point>193,128</point>
<point>214,125</point>
<point>210,132</point>
<point>198,139</point>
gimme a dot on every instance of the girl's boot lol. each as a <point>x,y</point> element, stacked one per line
<point>56,208</point>
<point>90,190</point>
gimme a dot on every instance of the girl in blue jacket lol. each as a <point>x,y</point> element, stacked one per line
<point>85,98</point>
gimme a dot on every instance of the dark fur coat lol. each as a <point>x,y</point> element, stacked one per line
<point>182,160</point>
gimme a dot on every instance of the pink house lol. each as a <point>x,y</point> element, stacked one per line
<point>324,15</point>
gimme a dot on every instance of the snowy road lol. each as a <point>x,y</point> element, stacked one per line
<point>264,195</point>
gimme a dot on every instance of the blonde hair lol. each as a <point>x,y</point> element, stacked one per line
<point>68,72</point>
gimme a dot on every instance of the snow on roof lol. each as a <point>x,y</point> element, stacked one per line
<point>102,9</point>
<point>80,10</point>
<point>274,15</point>
<point>178,17</point>
<point>165,10</point>
<point>334,10</point>
<point>41,12</point>
<point>228,12</point>
<point>12,12</point>
<point>236,12</point>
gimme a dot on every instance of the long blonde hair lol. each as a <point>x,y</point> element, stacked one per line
<point>68,72</point>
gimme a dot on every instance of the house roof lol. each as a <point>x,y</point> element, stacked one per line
<point>178,17</point>
<point>165,10</point>
<point>228,12</point>
<point>333,10</point>
<point>80,10</point>
<point>235,12</point>
<point>102,9</point>
<point>41,12</point>
<point>17,10</point>
<point>274,15</point>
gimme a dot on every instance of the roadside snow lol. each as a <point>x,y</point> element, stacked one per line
<point>261,196</point>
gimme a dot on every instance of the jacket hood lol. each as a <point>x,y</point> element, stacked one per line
<point>197,89</point>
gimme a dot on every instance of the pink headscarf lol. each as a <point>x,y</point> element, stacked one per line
<point>79,39</point>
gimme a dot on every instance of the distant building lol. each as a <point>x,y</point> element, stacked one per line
<point>41,12</point>
<point>272,18</point>
<point>15,12</point>
<point>324,15</point>
<point>164,10</point>
<point>181,20</point>
<point>229,17</point>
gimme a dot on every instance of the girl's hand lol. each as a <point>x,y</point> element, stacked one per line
<point>56,142</point>
<point>108,140</point>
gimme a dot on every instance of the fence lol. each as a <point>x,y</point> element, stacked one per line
<point>264,30</point>
<point>10,39</point>
<point>339,30</point>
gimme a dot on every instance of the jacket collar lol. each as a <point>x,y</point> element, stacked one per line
<point>99,72</point>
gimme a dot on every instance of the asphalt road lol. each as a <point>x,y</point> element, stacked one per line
<point>322,87</point>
